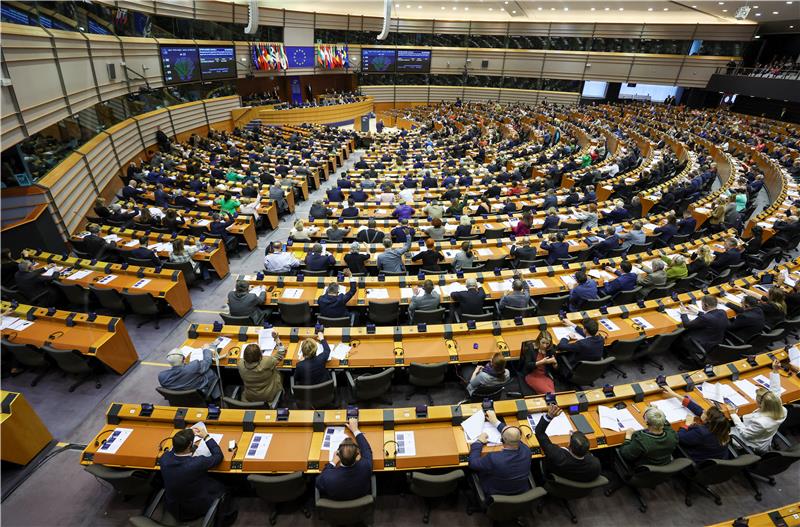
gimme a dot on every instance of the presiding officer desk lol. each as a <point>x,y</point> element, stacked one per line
<point>213,250</point>
<point>165,284</point>
<point>297,436</point>
<point>456,343</point>
<point>104,338</point>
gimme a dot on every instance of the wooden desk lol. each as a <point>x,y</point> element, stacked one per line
<point>23,433</point>
<point>788,515</point>
<point>104,338</point>
<point>167,284</point>
<point>440,442</point>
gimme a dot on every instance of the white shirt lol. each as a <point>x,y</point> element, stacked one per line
<point>407,194</point>
<point>757,430</point>
<point>280,262</point>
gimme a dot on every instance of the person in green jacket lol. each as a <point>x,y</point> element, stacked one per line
<point>676,267</point>
<point>228,203</point>
<point>233,176</point>
<point>653,445</point>
<point>586,160</point>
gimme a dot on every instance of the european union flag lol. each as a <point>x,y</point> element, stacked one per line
<point>300,56</point>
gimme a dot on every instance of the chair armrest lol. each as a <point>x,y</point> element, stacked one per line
<point>476,482</point>
<point>739,444</point>
<point>733,339</point>
<point>151,509</point>
<point>210,518</point>
<point>782,438</point>
<point>236,390</point>
<point>566,363</point>
<point>352,319</point>
<point>350,380</point>
<point>291,384</point>
<point>273,404</point>
<point>456,316</point>
<point>333,378</point>
<point>374,484</point>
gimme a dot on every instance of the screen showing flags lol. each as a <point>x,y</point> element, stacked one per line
<point>268,56</point>
<point>332,56</point>
<point>300,56</point>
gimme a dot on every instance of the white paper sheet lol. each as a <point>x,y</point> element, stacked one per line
<point>505,285</point>
<point>113,442</point>
<point>600,275</point>
<point>340,351</point>
<point>406,444</point>
<point>8,321</point>
<point>455,287</point>
<point>560,426</point>
<point>266,341</point>
<point>292,292</point>
<point>613,419</point>
<point>642,322</point>
<point>259,446</point>
<point>132,243</point>
<point>794,356</point>
<point>562,332</point>
<point>673,409</point>
<point>192,353</point>
<point>107,279</point>
<point>77,275</point>
<point>764,381</point>
<point>20,325</point>
<point>377,293</point>
<point>675,314</point>
<point>334,435</point>
<point>141,283</point>
<point>52,271</point>
<point>535,283</point>
<point>569,281</point>
<point>220,342</point>
<point>746,386</point>
<point>202,448</point>
<point>484,251</point>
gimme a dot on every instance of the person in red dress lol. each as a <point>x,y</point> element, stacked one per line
<point>535,361</point>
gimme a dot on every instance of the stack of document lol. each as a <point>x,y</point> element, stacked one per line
<point>721,393</point>
<point>266,341</point>
<point>484,251</point>
<point>569,281</point>
<point>192,353</point>
<point>77,275</point>
<point>259,446</point>
<point>794,356</point>
<point>202,449</point>
<point>764,381</point>
<point>673,409</point>
<point>292,292</point>
<point>476,424</point>
<point>614,419</point>
<point>406,444</point>
<point>560,426</point>
<point>377,293</point>
<point>565,333</point>
<point>115,440</point>
<point>408,292</point>
<point>334,435</point>
<point>455,287</point>
<point>608,325</point>
<point>505,285</point>
<point>340,351</point>
<point>15,323</point>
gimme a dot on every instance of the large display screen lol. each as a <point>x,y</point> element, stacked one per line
<point>217,62</point>
<point>413,61</point>
<point>180,64</point>
<point>377,60</point>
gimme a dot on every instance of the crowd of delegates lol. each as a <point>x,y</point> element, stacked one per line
<point>326,100</point>
<point>778,68</point>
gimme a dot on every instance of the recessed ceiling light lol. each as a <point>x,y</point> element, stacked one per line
<point>649,8</point>
<point>622,9</point>
<point>666,9</point>
<point>721,3</point>
<point>592,9</point>
<point>755,7</point>
<point>789,3</point>
<point>791,27</point>
<point>490,9</point>
<point>757,36</point>
<point>774,12</point>
<point>566,9</point>
<point>408,6</point>
<point>724,10</point>
<point>514,12</point>
<point>694,7</point>
<point>466,9</point>
<point>552,9</point>
<point>502,9</point>
<point>419,7</point>
<point>506,3</point>
<point>758,14</point>
<point>606,9</point>
<point>443,8</point>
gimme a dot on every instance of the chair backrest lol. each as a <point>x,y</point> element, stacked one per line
<point>725,353</point>
<point>334,322</point>
<point>141,303</point>
<point>370,386</point>
<point>382,312</point>
<point>477,317</point>
<point>625,350</point>
<point>427,374</point>
<point>26,354</point>
<point>714,471</point>
<point>125,481</point>
<point>776,461</point>
<point>685,284</point>
<point>627,297</point>
<point>662,343</point>
<point>70,361</point>
<point>550,305</point>
<point>231,320</point>
<point>280,488</point>
<point>312,396</point>
<point>429,316</point>
<point>295,313</point>
<point>659,291</point>
<point>230,402</point>
<point>650,476</point>
<point>494,234</point>
<point>721,278</point>
<point>185,398</point>
<point>435,485</point>
<point>763,339</point>
<point>640,248</point>
<point>108,298</point>
<point>184,267</point>
<point>141,262</point>
<point>595,303</point>
<point>346,512</point>
<point>568,489</point>
<point>432,272</point>
<point>76,294</point>
<point>509,508</point>
<point>494,263</point>
<point>586,372</point>
<point>512,312</point>
<point>322,272</point>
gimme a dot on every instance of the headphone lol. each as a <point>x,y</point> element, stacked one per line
<point>386,450</point>
<point>54,335</point>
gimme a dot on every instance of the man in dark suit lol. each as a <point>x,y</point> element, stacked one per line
<point>348,476</point>
<point>666,231</point>
<point>333,304</point>
<point>190,491</point>
<point>316,261</point>
<point>335,194</point>
<point>350,211</point>
<point>119,216</point>
<point>590,347</point>
<point>470,301</point>
<point>524,252</point>
<point>143,253</point>
<point>32,284</point>
<point>358,195</point>
<point>94,245</point>
<point>606,245</point>
<point>371,234</point>
<point>575,463</point>
<point>731,256</point>
<point>687,224</point>
<point>161,197</point>
<point>749,320</point>
<point>504,472</point>
<point>219,227</point>
<point>625,280</point>
<point>243,303</point>
<point>556,248</point>
<point>707,330</point>
<point>131,190</point>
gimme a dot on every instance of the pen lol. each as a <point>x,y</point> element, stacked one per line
<point>634,407</point>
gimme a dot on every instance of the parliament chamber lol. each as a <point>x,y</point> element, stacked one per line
<point>376,263</point>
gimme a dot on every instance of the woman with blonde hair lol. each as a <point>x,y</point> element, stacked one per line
<point>312,370</point>
<point>700,260</point>
<point>299,232</point>
<point>757,429</point>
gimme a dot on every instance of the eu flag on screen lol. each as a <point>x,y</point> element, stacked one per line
<point>300,56</point>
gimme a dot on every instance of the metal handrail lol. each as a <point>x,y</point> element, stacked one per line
<point>761,71</point>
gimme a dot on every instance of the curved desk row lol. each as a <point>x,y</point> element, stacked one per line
<point>297,435</point>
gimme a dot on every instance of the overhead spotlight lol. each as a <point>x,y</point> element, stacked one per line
<point>757,36</point>
<point>513,12</point>
<point>552,9</point>
<point>774,12</point>
<point>419,7</point>
<point>491,9</point>
<point>721,3</point>
<point>791,27</point>
<point>502,9</point>
<point>466,9</point>
<point>724,10</point>
<point>606,9</point>
<point>566,9</point>
<point>454,8</point>
<point>758,14</point>
<point>442,8</point>
<point>592,9</point>
<point>622,9</point>
<point>666,9</point>
<point>538,8</point>
<point>649,8</point>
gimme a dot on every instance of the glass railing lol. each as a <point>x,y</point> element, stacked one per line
<point>767,72</point>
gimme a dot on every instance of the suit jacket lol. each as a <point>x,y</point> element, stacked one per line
<point>605,246</point>
<point>335,306</point>
<point>623,282</point>
<point>747,323</point>
<point>504,472</point>
<point>143,253</point>
<point>247,304</point>
<point>555,251</point>
<point>348,483</point>
<point>470,301</point>
<point>95,246</point>
<point>31,283</point>
<point>335,194</point>
<point>708,329</point>
<point>319,262</point>
<point>726,259</point>
<point>313,370</point>
<point>370,236</point>
<point>561,462</point>
<point>581,293</point>
<point>687,225</point>
<point>425,302</point>
<point>587,348</point>
<point>195,375</point>
<point>190,490</point>
<point>551,222</point>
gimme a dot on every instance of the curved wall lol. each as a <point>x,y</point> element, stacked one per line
<point>387,96</point>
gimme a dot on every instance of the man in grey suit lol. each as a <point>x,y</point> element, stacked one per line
<point>520,295</point>
<point>196,374</point>
<point>654,277</point>
<point>243,303</point>
<point>391,260</point>
<point>278,195</point>
<point>635,237</point>
<point>429,299</point>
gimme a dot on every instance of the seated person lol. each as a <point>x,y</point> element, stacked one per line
<point>625,280</point>
<point>602,248</point>
<point>588,348</point>
<point>575,462</point>
<point>299,233</point>
<point>427,300</point>
<point>391,259</point>
<point>470,301</point>
<point>537,355</point>
<point>503,472</point>
<point>464,228</point>
<point>33,285</point>
<point>335,233</point>
<point>430,257</point>
<point>652,277</point>
<point>319,211</point>
<point>259,372</point>
<point>243,303</point>
<point>585,289</point>
<point>708,329</point>
<point>356,260</point>
<point>192,375</point>
<point>93,243</point>
<point>731,256</point>
<point>398,233</point>
<point>488,376</point>
<point>651,446</point>
<point>317,261</point>
<point>524,252</point>
<point>333,304</point>
<point>519,296</point>
<point>556,248</point>
<point>143,253</point>
<point>371,234</point>
<point>436,230</point>
<point>311,369</point>
<point>676,267</point>
<point>634,237</point>
<point>350,211</point>
<point>349,475</point>
<point>278,260</point>
<point>749,320</point>
<point>757,429</point>
<point>464,257</point>
<point>707,439</point>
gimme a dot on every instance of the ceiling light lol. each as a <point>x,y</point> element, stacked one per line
<point>514,12</point>
<point>442,8</point>
<point>622,9</point>
<point>649,8</point>
<point>539,8</point>
<point>592,9</point>
<point>566,9</point>
<point>491,9</point>
<point>757,36</point>
<point>694,7</point>
<point>774,12</point>
<point>502,9</point>
<point>721,3</point>
<point>419,7</point>
<point>408,6</point>
<point>454,8</point>
<point>606,9</point>
<point>758,14</point>
<point>506,2</point>
<point>466,9</point>
<point>791,27</point>
<point>789,3</point>
<point>552,9</point>
<point>666,9</point>
<point>755,7</point>
<point>724,10</point>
